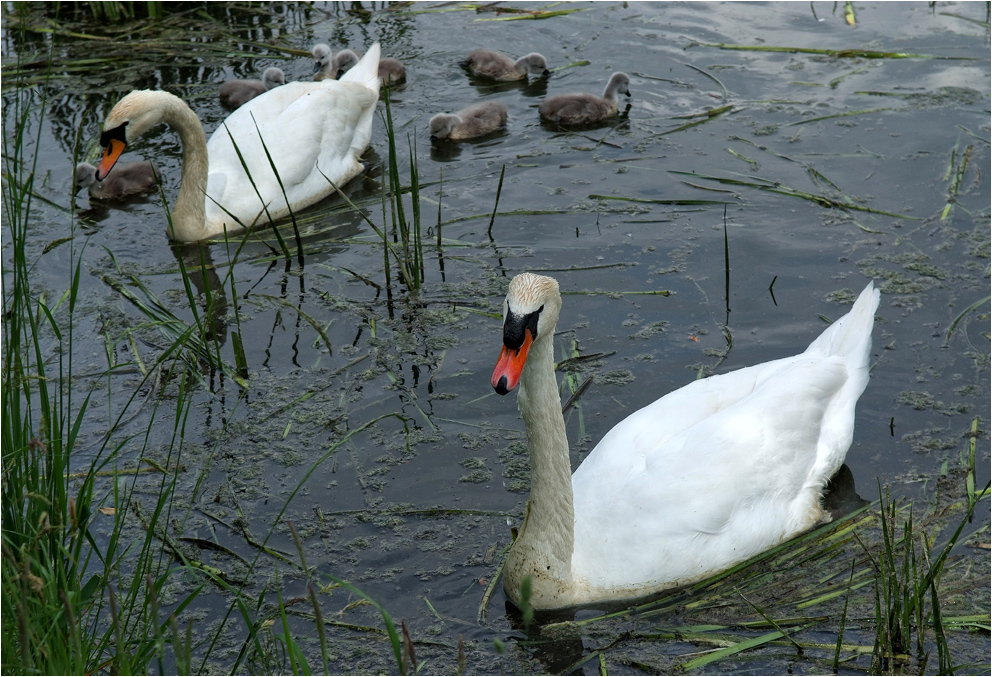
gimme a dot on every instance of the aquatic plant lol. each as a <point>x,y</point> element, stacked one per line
<point>75,601</point>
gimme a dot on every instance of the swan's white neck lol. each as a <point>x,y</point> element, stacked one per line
<point>543,548</point>
<point>189,213</point>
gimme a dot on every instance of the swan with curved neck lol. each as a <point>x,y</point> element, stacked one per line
<point>703,478</point>
<point>314,132</point>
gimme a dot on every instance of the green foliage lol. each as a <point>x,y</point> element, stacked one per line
<point>906,597</point>
<point>69,607</point>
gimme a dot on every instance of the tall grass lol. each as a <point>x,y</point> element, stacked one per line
<point>79,598</point>
<point>403,243</point>
<point>75,601</point>
<point>907,603</point>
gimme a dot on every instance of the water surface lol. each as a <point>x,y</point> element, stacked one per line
<point>886,135</point>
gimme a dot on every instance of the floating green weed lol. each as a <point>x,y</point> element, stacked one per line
<point>838,53</point>
<point>782,189</point>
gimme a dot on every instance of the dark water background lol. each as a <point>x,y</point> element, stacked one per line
<point>906,125</point>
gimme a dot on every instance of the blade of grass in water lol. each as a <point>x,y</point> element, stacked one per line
<point>837,115</point>
<point>499,189</point>
<point>720,654</point>
<point>957,320</point>
<point>660,201</point>
<point>534,14</point>
<point>781,189</point>
<point>839,53</point>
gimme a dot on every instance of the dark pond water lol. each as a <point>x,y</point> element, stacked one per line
<point>416,514</point>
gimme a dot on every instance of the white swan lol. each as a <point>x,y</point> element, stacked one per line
<point>236,93</point>
<point>582,108</point>
<point>705,477</point>
<point>315,132</point>
<point>128,178</point>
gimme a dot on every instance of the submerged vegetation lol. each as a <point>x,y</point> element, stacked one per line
<point>187,490</point>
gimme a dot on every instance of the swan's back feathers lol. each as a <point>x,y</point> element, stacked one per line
<point>850,335</point>
<point>366,71</point>
<point>366,74</point>
<point>738,461</point>
<point>315,133</point>
<point>848,339</point>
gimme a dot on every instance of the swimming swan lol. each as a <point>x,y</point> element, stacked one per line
<point>705,477</point>
<point>314,131</point>
<point>128,178</point>
<point>582,109</point>
<point>476,120</point>
<point>391,71</point>
<point>490,64</point>
<point>236,93</point>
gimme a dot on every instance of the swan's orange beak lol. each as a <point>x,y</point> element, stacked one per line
<point>510,365</point>
<point>111,154</point>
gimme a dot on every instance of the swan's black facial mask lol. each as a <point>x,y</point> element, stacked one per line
<point>519,334</point>
<point>117,133</point>
<point>515,325</point>
<point>114,142</point>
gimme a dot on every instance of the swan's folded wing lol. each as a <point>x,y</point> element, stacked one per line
<point>718,491</point>
<point>307,132</point>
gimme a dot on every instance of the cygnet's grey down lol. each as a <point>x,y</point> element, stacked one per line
<point>325,66</point>
<point>476,120</point>
<point>127,178</point>
<point>581,109</point>
<point>391,71</point>
<point>236,93</point>
<point>490,64</point>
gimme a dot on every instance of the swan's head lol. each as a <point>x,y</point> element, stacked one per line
<point>534,63</point>
<point>133,115</point>
<point>273,77</point>
<point>530,314</point>
<point>85,176</point>
<point>443,124</point>
<point>322,61</point>
<point>619,84</point>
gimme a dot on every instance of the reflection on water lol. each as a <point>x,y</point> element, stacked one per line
<point>329,345</point>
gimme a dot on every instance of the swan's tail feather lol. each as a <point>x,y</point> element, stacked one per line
<point>366,71</point>
<point>850,336</point>
<point>849,339</point>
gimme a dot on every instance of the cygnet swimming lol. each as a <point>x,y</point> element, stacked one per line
<point>476,120</point>
<point>325,66</point>
<point>490,64</point>
<point>127,178</point>
<point>236,93</point>
<point>581,109</point>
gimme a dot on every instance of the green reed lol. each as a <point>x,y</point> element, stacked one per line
<point>70,603</point>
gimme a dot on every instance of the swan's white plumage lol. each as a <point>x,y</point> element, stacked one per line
<point>315,133</point>
<point>705,477</point>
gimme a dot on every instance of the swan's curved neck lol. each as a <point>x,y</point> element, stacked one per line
<point>543,548</point>
<point>189,212</point>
